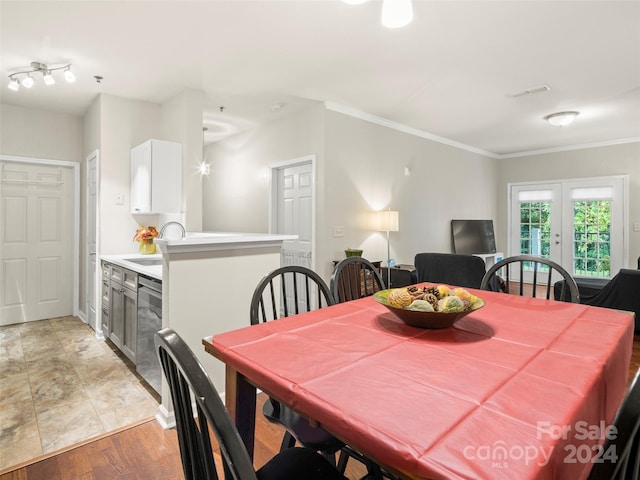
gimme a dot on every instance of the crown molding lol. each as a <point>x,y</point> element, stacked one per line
<point>367,117</point>
<point>570,147</point>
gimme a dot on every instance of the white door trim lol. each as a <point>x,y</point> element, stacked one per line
<point>273,200</point>
<point>97,280</point>
<point>76,216</point>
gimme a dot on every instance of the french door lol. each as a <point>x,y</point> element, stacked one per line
<point>576,223</point>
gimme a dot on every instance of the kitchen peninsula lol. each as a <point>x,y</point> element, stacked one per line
<point>207,284</point>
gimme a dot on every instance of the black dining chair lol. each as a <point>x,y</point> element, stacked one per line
<point>622,292</point>
<point>542,270</point>
<point>284,292</point>
<point>353,278</point>
<point>288,291</point>
<point>189,382</point>
<point>451,268</point>
<point>620,454</point>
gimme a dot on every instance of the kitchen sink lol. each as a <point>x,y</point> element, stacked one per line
<point>146,262</point>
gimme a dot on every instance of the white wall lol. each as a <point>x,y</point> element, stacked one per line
<point>365,172</point>
<point>236,194</point>
<point>623,159</point>
<point>360,168</point>
<point>124,124</point>
<point>28,132</point>
<point>181,122</point>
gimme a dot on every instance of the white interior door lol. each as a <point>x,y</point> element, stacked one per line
<point>295,212</point>
<point>36,264</point>
<point>294,215</point>
<point>91,252</point>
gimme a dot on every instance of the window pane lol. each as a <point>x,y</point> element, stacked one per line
<point>535,228</point>
<point>592,236</point>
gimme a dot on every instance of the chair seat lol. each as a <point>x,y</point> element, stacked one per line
<point>308,435</point>
<point>298,463</point>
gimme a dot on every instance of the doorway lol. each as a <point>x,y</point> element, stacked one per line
<point>579,223</point>
<point>293,212</point>
<point>39,244</point>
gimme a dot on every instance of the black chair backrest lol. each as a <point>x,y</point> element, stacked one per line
<point>189,381</point>
<point>353,278</point>
<point>620,458</point>
<point>450,268</point>
<point>288,291</point>
<point>531,263</point>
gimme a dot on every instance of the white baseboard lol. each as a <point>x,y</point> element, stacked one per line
<point>165,418</point>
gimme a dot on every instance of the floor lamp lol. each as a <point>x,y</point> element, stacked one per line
<point>388,222</point>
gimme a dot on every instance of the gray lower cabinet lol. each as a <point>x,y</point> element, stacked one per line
<point>120,316</point>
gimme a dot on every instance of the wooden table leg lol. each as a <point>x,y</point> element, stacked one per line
<point>241,403</point>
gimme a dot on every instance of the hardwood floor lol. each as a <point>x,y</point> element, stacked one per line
<point>142,452</point>
<point>147,452</point>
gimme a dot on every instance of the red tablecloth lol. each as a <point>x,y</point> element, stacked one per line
<point>509,392</point>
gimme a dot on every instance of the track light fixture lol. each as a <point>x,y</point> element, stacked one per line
<point>25,79</point>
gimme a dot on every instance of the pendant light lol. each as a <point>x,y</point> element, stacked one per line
<point>205,168</point>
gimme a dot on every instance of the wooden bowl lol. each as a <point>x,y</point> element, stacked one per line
<point>419,319</point>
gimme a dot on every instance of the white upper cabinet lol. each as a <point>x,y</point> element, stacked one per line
<point>156,177</point>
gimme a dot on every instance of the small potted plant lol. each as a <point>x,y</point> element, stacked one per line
<point>144,236</point>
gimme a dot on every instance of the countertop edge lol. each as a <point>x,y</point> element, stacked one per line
<point>221,242</point>
<point>121,260</point>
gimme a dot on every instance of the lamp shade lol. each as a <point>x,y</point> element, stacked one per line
<point>388,221</point>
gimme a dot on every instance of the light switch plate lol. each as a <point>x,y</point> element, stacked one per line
<point>120,199</point>
<point>338,231</point>
<point>636,227</point>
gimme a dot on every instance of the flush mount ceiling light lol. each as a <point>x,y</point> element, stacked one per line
<point>395,13</point>
<point>561,119</point>
<point>25,79</point>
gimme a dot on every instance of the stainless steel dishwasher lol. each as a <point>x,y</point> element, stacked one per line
<point>149,322</point>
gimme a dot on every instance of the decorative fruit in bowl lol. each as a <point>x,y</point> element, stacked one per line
<point>435,306</point>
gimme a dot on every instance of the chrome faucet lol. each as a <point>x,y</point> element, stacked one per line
<point>168,224</point>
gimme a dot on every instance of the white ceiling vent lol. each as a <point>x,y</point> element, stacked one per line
<point>531,91</point>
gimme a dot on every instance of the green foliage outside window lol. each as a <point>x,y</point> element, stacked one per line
<point>592,234</point>
<point>592,238</point>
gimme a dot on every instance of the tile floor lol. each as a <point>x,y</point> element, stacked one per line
<point>59,385</point>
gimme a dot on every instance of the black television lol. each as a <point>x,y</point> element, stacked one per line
<point>473,236</point>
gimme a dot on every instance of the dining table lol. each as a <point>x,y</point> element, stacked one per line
<point>522,388</point>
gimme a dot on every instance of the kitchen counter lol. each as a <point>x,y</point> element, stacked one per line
<point>207,241</point>
<point>149,265</point>
<point>207,284</point>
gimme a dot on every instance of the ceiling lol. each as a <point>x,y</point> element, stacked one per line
<point>452,73</point>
